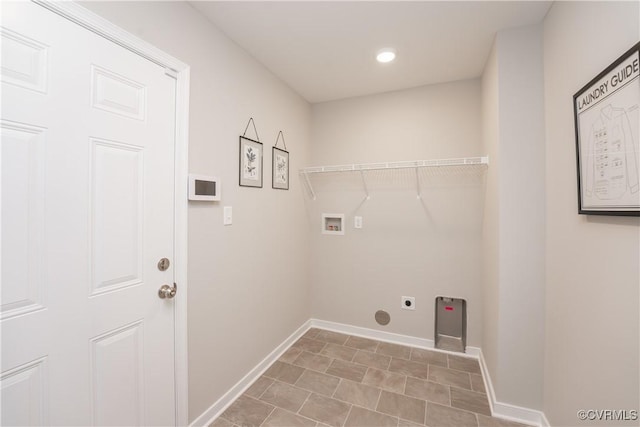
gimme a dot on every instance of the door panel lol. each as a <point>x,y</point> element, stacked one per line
<point>117,367</point>
<point>116,214</point>
<point>24,393</point>
<point>23,225</point>
<point>87,161</point>
<point>118,94</point>
<point>24,61</point>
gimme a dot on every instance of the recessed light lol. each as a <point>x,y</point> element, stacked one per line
<point>386,55</point>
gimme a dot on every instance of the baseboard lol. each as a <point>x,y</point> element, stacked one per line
<point>507,411</point>
<point>519,414</point>
<point>209,415</point>
<point>388,337</point>
<point>488,385</point>
<point>544,422</point>
<point>498,409</point>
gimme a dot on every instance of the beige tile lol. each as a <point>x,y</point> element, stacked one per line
<point>394,350</point>
<point>382,384</point>
<point>281,418</point>
<point>446,376</point>
<point>309,345</point>
<point>284,372</point>
<point>409,368</point>
<point>362,343</point>
<point>445,416</point>
<point>341,352</point>
<point>477,384</point>
<point>258,387</point>
<point>290,355</point>
<point>357,394</point>
<point>312,361</point>
<point>429,356</point>
<point>406,423</point>
<point>332,337</point>
<point>246,411</point>
<point>347,370</point>
<point>466,364</point>
<point>221,422</point>
<point>360,417</point>
<point>427,390</point>
<point>318,383</point>
<point>325,410</point>
<point>311,333</point>
<point>372,360</point>
<point>402,406</point>
<point>385,380</point>
<point>485,421</point>
<point>450,343</point>
<point>285,396</point>
<point>470,401</point>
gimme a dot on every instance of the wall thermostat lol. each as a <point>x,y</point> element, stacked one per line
<point>204,188</point>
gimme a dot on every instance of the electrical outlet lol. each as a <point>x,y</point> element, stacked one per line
<point>409,303</point>
<point>357,222</point>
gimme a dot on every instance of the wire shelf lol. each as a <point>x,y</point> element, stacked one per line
<point>452,166</point>
<point>398,165</point>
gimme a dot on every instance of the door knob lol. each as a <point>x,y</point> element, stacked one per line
<point>167,291</point>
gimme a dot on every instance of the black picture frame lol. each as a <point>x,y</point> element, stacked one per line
<point>251,162</point>
<point>607,131</point>
<point>280,169</point>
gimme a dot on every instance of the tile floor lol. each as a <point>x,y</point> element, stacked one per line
<point>327,378</point>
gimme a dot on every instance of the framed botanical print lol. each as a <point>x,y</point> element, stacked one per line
<point>280,178</point>
<point>250,163</point>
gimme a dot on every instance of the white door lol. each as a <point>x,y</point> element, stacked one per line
<point>87,185</point>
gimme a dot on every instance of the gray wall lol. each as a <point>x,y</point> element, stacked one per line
<point>407,246</point>
<point>514,216</point>
<point>593,263</point>
<point>509,241</point>
<point>248,283</point>
<point>491,215</point>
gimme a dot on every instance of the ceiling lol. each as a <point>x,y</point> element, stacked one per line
<point>325,50</point>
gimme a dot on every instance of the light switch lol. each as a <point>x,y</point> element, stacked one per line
<point>228,215</point>
<point>357,222</point>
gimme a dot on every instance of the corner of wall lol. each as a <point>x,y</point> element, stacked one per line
<point>513,119</point>
<point>490,219</point>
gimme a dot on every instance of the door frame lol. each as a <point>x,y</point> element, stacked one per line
<point>181,71</point>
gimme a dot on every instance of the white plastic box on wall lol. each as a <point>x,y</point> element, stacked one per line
<point>204,188</point>
<point>333,224</point>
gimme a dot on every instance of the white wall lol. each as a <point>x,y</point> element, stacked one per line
<point>483,238</point>
<point>514,217</point>
<point>422,248</point>
<point>593,262</point>
<point>522,219</point>
<point>491,215</point>
<point>248,283</point>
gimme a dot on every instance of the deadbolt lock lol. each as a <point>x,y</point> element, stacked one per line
<point>163,264</point>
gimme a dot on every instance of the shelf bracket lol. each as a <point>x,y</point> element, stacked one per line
<point>418,196</point>
<point>364,184</point>
<point>309,186</point>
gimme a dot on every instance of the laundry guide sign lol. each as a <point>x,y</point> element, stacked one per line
<point>607,122</point>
